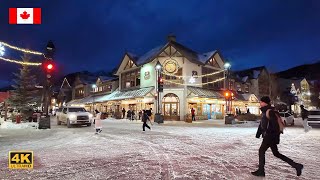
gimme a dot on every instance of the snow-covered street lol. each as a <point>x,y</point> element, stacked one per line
<point>168,151</point>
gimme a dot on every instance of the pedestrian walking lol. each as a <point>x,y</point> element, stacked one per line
<point>123,113</point>
<point>129,114</point>
<point>270,130</point>
<point>304,115</point>
<point>140,114</point>
<point>133,115</point>
<point>145,118</point>
<point>193,114</point>
<point>97,122</point>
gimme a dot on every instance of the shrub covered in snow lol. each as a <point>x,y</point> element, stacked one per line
<point>13,125</point>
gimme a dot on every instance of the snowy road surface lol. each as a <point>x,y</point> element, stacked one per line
<point>178,151</point>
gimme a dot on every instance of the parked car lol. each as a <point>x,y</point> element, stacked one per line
<point>314,118</point>
<point>287,118</point>
<point>74,115</point>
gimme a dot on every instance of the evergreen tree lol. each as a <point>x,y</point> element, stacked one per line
<point>25,93</point>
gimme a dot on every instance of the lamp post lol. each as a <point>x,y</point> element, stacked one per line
<point>227,67</point>
<point>158,68</point>
<point>93,88</point>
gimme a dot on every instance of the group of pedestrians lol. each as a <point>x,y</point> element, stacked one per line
<point>269,128</point>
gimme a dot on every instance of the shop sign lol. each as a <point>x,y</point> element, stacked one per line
<point>147,75</point>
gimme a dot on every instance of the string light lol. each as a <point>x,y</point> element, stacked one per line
<point>1,50</point>
<point>195,76</point>
<point>173,82</point>
<point>21,62</point>
<point>21,49</point>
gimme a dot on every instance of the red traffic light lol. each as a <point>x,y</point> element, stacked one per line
<point>160,80</point>
<point>49,66</point>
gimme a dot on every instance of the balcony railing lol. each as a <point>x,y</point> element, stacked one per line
<point>174,83</point>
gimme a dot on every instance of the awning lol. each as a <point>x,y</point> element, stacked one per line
<point>205,93</point>
<point>119,95</point>
<point>74,102</point>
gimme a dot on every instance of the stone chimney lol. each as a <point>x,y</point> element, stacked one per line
<point>171,37</point>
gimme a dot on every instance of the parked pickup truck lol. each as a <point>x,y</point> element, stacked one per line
<point>74,115</point>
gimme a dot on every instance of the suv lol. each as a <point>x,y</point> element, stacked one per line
<point>314,118</point>
<point>74,115</point>
<point>287,118</point>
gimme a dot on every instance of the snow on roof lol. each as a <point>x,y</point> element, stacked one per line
<point>147,56</point>
<point>205,56</point>
<point>106,78</point>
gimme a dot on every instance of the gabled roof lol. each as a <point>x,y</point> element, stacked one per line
<point>252,73</point>
<point>107,78</point>
<point>65,80</point>
<point>191,55</point>
<point>87,79</point>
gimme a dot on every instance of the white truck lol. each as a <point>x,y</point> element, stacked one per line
<point>74,116</point>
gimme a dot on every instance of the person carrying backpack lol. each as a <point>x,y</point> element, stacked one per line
<point>270,129</point>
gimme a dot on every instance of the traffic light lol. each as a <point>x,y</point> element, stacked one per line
<point>48,68</point>
<point>160,84</point>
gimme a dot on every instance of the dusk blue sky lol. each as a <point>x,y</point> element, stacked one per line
<point>94,36</point>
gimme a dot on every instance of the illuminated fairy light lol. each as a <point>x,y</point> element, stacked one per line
<point>21,49</point>
<point>21,62</point>
<point>173,82</point>
<point>2,50</point>
<point>192,80</point>
<point>195,76</point>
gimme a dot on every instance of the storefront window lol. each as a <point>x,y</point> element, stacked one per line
<point>130,79</point>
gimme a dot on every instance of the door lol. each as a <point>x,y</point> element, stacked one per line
<point>171,111</point>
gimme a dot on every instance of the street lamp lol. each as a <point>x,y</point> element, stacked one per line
<point>158,68</point>
<point>93,87</point>
<point>227,67</point>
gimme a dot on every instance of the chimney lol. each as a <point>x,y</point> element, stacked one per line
<point>171,37</point>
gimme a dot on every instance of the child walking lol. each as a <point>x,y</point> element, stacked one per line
<point>97,122</point>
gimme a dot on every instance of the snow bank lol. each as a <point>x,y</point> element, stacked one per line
<point>11,125</point>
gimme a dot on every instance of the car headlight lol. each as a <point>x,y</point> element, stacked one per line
<point>90,116</point>
<point>72,116</point>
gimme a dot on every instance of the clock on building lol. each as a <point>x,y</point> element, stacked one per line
<point>171,66</point>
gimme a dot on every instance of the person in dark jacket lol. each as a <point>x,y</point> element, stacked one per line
<point>270,131</point>
<point>304,115</point>
<point>145,118</point>
<point>123,113</point>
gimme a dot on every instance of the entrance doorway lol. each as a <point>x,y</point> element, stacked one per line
<point>170,107</point>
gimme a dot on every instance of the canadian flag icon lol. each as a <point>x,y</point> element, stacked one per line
<point>24,15</point>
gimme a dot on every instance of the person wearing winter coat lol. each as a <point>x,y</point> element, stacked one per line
<point>97,122</point>
<point>140,114</point>
<point>193,115</point>
<point>304,115</point>
<point>123,113</point>
<point>270,131</point>
<point>129,114</point>
<point>145,118</point>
